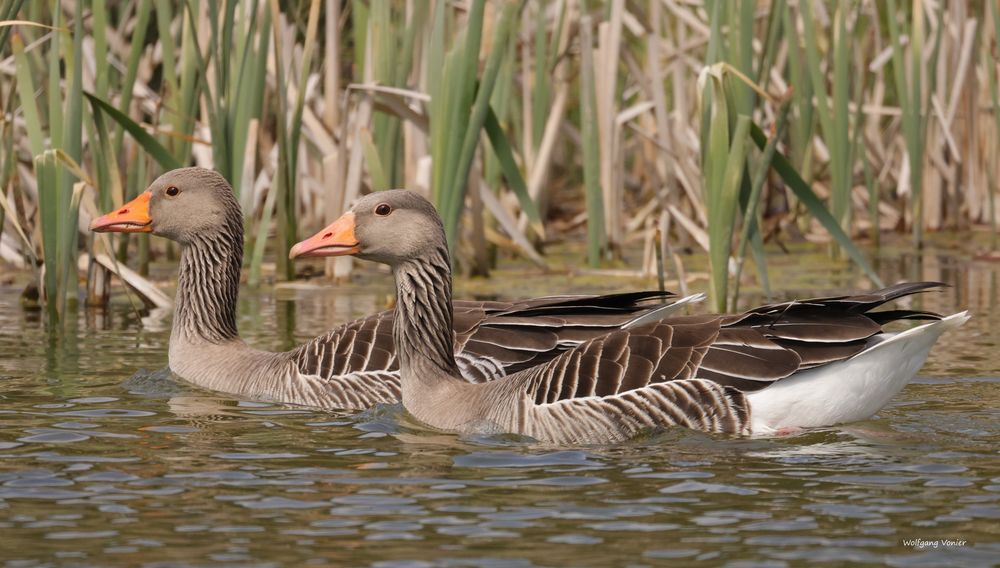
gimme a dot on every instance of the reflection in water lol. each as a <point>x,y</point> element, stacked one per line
<point>105,458</point>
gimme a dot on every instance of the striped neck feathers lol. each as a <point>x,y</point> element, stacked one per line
<point>422,326</point>
<point>208,285</point>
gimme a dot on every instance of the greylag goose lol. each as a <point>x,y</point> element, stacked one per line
<point>354,366</point>
<point>791,365</point>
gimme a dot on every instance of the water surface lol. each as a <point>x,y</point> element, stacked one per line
<point>107,460</point>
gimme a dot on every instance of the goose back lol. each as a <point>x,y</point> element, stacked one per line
<point>692,371</point>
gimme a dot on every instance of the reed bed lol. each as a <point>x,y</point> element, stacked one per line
<point>726,126</point>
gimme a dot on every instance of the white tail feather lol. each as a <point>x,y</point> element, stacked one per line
<point>848,390</point>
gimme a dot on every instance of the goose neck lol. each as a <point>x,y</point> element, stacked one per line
<point>207,288</point>
<point>422,327</point>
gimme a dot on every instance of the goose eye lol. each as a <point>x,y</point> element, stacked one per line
<point>172,191</point>
<point>383,209</point>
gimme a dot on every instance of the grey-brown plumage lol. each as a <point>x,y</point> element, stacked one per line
<point>354,366</point>
<point>693,371</point>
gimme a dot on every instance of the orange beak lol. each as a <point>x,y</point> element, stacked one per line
<point>133,217</point>
<point>336,240</point>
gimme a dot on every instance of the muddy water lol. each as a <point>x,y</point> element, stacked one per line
<point>107,460</point>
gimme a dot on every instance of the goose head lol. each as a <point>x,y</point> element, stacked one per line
<point>391,227</point>
<point>179,205</point>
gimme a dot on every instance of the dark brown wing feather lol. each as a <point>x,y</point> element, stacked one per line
<point>746,352</point>
<point>858,303</point>
<point>810,323</point>
<point>524,334</point>
<point>627,360</point>
<point>812,354</point>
